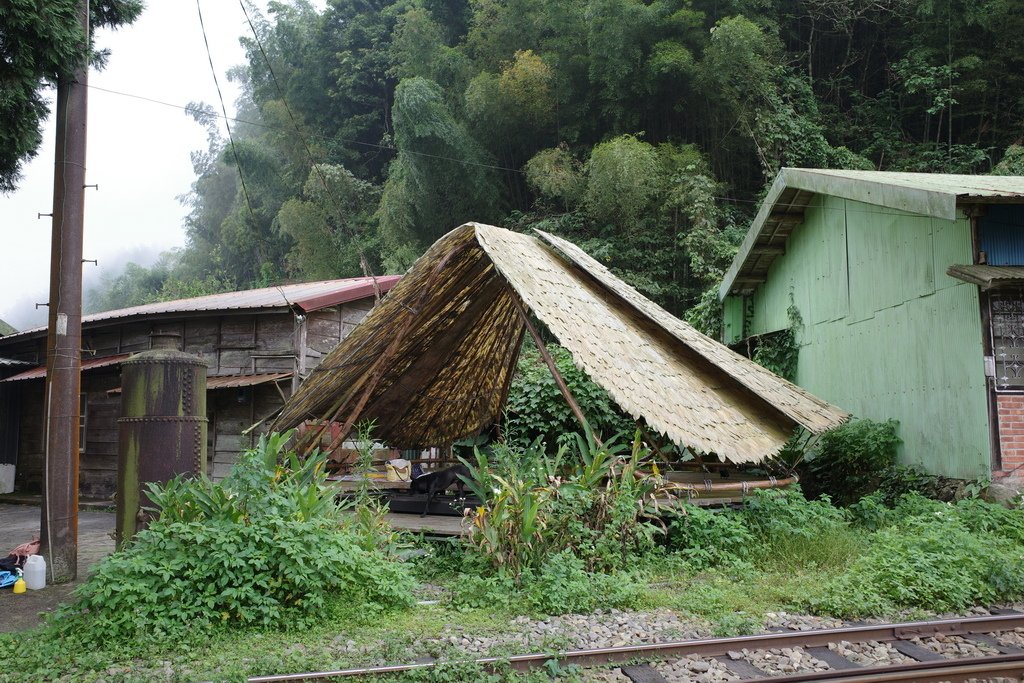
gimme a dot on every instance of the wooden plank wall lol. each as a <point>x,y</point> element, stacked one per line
<point>232,344</point>
<point>229,418</point>
<point>97,468</point>
<point>28,475</point>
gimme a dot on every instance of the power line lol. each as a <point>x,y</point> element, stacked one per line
<point>363,263</point>
<point>220,95</point>
<point>267,126</point>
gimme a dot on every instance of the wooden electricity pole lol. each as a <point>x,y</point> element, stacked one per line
<point>59,528</point>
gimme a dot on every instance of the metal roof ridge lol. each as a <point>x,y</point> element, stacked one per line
<point>314,301</point>
<point>880,188</point>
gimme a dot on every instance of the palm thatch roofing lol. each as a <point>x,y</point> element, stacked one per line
<point>432,363</point>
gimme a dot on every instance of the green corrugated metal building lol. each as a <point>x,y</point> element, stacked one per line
<point>911,299</point>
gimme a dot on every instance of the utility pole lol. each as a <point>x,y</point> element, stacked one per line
<point>59,528</point>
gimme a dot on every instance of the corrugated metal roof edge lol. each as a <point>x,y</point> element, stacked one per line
<point>747,245</point>
<point>928,202</point>
<point>307,305</point>
<point>39,372</point>
<point>314,303</point>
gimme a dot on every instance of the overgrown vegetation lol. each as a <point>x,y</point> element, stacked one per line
<point>537,409</point>
<point>859,459</point>
<point>266,547</point>
<point>554,528</point>
<point>563,528</point>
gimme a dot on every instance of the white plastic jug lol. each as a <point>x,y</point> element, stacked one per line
<point>35,572</point>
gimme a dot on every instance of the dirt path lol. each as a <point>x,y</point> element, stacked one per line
<point>20,523</point>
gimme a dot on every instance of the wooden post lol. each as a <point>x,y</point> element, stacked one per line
<point>516,352</point>
<point>59,517</point>
<point>550,362</point>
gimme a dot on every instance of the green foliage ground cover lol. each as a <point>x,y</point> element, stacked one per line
<point>260,574</point>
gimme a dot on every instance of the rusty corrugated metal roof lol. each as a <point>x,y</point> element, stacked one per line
<point>234,381</point>
<point>925,194</point>
<point>306,296</point>
<point>231,381</point>
<point>39,372</point>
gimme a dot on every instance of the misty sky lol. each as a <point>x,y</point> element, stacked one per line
<point>138,151</point>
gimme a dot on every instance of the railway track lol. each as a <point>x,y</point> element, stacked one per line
<point>998,654</point>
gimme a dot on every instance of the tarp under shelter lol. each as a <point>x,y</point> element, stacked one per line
<point>432,363</point>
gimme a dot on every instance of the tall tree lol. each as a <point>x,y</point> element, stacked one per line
<point>38,42</point>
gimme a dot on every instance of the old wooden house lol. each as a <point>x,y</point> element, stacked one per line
<point>906,295</point>
<point>259,346</point>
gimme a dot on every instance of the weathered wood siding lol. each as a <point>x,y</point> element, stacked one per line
<point>28,475</point>
<point>233,411</point>
<point>231,344</point>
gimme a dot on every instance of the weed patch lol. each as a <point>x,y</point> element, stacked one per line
<point>264,548</point>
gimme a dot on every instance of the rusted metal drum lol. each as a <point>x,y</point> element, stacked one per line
<point>162,429</point>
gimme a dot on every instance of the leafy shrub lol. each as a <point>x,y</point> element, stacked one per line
<point>709,538</point>
<point>536,407</point>
<point>786,512</point>
<point>901,479</point>
<point>852,460</point>
<point>982,517</point>
<point>264,548</point>
<point>937,563</point>
<point>535,506</point>
<point>871,512</point>
<point>794,531</point>
<point>561,585</point>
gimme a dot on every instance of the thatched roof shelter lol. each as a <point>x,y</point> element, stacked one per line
<point>432,363</point>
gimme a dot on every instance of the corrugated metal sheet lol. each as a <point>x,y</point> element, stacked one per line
<point>10,363</point>
<point>988,277</point>
<point>927,194</point>
<point>235,381</point>
<point>232,381</point>
<point>1002,235</point>
<point>732,319</point>
<point>910,345</point>
<point>307,297</point>
<point>88,364</point>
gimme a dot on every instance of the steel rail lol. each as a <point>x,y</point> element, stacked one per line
<point>1009,666</point>
<point>720,646</point>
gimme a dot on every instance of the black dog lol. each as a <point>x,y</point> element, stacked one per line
<point>438,482</point>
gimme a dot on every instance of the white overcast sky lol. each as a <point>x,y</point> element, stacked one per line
<point>138,151</point>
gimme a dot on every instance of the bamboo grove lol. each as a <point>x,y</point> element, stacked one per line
<point>643,131</point>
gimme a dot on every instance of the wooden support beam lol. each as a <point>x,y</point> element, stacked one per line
<point>768,251</point>
<point>511,371</point>
<point>378,368</point>
<point>550,362</point>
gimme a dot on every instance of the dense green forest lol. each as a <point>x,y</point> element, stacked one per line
<point>643,131</point>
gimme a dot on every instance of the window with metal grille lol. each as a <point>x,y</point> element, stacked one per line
<point>1006,325</point>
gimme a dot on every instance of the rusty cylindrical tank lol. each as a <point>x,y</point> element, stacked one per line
<point>162,429</point>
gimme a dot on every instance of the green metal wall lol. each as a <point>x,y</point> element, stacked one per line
<point>886,333</point>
